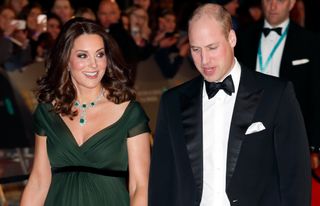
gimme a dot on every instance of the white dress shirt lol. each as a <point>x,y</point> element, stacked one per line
<point>217,113</point>
<point>267,44</point>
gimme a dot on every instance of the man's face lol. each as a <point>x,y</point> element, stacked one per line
<point>277,11</point>
<point>6,16</point>
<point>232,7</point>
<point>108,14</point>
<point>167,23</point>
<point>211,49</point>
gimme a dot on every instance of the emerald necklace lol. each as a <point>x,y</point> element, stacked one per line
<point>84,107</point>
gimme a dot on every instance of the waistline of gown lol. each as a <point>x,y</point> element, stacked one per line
<point>104,172</point>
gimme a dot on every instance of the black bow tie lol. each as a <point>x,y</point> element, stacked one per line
<point>266,31</point>
<point>212,88</point>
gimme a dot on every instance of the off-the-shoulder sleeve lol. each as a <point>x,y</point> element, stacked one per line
<point>38,120</point>
<point>138,120</point>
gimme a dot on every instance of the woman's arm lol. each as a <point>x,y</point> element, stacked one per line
<point>139,163</point>
<point>40,178</point>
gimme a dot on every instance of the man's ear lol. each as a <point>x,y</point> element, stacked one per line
<point>232,38</point>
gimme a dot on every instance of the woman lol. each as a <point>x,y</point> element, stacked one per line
<point>47,39</point>
<point>138,25</point>
<point>64,9</point>
<point>33,27</point>
<point>86,112</point>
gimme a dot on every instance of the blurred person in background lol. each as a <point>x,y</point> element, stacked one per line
<point>109,17</point>
<point>255,11</point>
<point>280,47</point>
<point>139,25</point>
<point>231,6</point>
<point>47,39</point>
<point>298,13</point>
<point>145,4</point>
<point>86,13</point>
<point>171,46</point>
<point>64,9</point>
<point>17,5</point>
<point>15,50</point>
<point>108,13</point>
<point>34,27</point>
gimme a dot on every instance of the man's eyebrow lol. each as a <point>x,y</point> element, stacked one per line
<point>209,45</point>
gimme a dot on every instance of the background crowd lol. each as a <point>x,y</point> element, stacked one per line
<point>144,29</point>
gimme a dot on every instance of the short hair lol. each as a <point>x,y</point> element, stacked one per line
<point>215,11</point>
<point>56,85</point>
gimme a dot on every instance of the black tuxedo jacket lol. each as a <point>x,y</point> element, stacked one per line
<point>300,44</point>
<point>266,168</point>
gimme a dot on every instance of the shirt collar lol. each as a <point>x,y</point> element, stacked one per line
<point>283,25</point>
<point>235,73</point>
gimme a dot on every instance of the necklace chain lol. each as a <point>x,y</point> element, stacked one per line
<point>84,107</point>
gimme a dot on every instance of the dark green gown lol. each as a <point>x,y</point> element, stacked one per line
<point>105,150</point>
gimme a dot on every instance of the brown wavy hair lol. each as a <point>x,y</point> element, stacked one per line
<point>56,86</point>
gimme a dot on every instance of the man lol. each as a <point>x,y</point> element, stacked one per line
<point>289,52</point>
<point>108,15</point>
<point>231,6</point>
<point>244,144</point>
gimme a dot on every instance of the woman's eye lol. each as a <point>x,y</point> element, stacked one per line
<point>100,54</point>
<point>82,56</point>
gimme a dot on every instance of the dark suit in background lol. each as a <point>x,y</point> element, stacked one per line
<point>299,45</point>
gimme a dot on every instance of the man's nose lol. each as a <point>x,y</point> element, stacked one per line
<point>273,4</point>
<point>204,58</point>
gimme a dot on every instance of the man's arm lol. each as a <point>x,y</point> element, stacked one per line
<point>161,162</point>
<point>292,153</point>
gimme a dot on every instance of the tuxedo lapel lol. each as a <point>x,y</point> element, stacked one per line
<point>247,100</point>
<point>191,116</point>
<point>287,51</point>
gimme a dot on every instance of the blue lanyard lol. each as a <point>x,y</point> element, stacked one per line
<point>264,66</point>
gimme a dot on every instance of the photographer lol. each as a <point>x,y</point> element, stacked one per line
<point>15,50</point>
<point>171,46</point>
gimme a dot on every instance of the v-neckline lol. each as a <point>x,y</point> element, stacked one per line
<point>93,136</point>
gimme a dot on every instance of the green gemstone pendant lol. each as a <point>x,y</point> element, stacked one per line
<point>82,121</point>
<point>84,107</point>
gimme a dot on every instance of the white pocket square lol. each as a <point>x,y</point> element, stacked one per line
<point>255,127</point>
<point>299,61</point>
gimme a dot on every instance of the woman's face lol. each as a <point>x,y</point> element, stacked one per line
<point>53,27</point>
<point>32,18</point>
<point>88,61</point>
<point>63,9</point>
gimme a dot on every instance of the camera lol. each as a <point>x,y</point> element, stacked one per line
<point>19,24</point>
<point>41,19</point>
